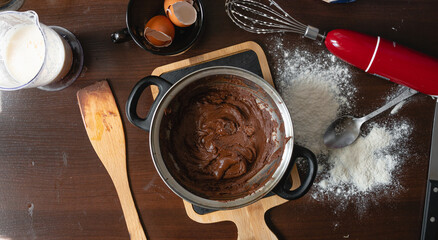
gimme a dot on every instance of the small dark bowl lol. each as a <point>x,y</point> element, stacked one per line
<point>140,11</point>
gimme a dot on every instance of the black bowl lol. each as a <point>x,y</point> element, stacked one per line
<point>140,11</point>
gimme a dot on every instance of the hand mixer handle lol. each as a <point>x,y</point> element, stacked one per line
<point>385,59</point>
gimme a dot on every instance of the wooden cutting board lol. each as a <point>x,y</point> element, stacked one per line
<point>250,220</point>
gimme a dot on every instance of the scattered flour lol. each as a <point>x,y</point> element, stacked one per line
<point>313,88</point>
<point>366,164</point>
<point>318,88</point>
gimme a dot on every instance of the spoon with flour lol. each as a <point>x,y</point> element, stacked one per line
<point>346,129</point>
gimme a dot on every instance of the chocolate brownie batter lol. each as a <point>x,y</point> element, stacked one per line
<point>217,135</point>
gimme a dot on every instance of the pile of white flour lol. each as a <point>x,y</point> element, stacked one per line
<point>314,88</point>
<point>317,89</point>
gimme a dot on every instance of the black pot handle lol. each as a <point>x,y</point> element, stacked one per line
<point>131,104</point>
<point>283,187</point>
<point>121,36</point>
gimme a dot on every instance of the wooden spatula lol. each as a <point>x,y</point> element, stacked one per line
<point>105,131</point>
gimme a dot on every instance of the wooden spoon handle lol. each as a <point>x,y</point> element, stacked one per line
<point>133,224</point>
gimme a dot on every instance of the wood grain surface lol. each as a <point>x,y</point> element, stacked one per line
<point>53,186</point>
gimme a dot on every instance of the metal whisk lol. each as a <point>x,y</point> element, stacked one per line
<point>257,17</point>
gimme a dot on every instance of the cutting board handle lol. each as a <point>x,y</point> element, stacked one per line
<point>131,104</point>
<point>283,187</point>
<point>254,229</point>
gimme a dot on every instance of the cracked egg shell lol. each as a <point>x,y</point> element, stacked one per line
<point>159,31</point>
<point>180,12</point>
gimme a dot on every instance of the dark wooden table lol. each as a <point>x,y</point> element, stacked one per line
<point>53,186</point>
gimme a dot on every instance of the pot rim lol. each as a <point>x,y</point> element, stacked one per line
<point>173,184</point>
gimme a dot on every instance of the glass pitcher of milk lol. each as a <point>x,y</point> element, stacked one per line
<point>33,55</point>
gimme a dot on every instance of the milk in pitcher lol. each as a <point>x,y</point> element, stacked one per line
<point>33,58</point>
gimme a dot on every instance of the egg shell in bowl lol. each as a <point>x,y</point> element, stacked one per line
<point>167,3</point>
<point>181,13</point>
<point>159,31</point>
<point>140,11</point>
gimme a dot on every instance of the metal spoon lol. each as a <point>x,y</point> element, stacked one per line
<point>345,130</point>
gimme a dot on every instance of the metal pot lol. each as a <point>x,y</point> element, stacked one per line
<point>274,177</point>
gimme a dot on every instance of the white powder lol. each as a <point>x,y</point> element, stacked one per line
<point>367,163</point>
<point>365,171</point>
<point>313,88</point>
<point>317,89</point>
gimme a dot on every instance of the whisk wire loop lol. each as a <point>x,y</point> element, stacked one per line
<point>273,26</point>
<point>257,17</point>
<point>281,17</point>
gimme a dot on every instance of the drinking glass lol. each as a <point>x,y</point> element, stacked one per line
<point>33,55</point>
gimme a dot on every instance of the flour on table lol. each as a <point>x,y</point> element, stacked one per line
<point>318,88</point>
<point>314,89</point>
<point>369,162</point>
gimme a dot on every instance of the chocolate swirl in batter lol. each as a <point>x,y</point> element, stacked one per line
<point>217,136</point>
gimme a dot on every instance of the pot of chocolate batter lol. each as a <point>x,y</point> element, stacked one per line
<point>221,138</point>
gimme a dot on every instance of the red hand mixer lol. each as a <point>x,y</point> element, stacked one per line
<point>372,54</point>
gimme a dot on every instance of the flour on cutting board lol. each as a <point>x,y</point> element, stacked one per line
<point>318,88</point>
